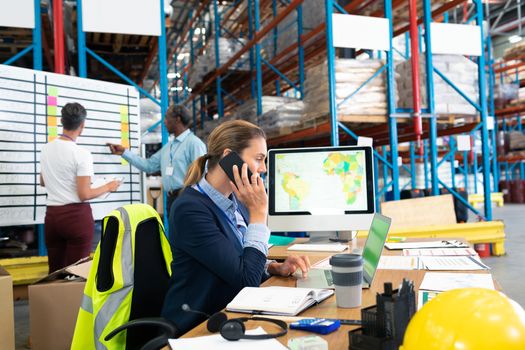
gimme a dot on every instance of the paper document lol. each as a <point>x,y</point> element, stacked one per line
<point>389,262</point>
<point>217,342</point>
<point>443,281</point>
<point>322,264</point>
<point>424,296</point>
<point>427,244</point>
<point>440,252</point>
<point>332,247</point>
<point>438,282</point>
<point>101,181</point>
<point>444,263</point>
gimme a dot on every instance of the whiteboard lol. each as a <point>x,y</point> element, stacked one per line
<point>140,17</point>
<point>30,104</point>
<point>19,13</point>
<point>360,32</point>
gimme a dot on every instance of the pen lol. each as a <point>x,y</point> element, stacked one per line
<point>351,322</point>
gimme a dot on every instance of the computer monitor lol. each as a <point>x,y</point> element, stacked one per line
<point>320,189</point>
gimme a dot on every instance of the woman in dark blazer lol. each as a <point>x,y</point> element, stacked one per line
<point>218,231</point>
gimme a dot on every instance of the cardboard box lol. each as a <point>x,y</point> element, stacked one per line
<point>424,211</point>
<point>7,318</point>
<point>53,306</point>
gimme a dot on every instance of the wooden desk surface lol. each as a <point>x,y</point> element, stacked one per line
<point>328,308</point>
<point>282,252</point>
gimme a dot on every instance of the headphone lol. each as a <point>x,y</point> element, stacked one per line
<point>234,329</point>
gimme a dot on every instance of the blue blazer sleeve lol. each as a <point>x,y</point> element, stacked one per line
<point>201,232</point>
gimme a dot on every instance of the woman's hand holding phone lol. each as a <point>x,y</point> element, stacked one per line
<point>251,193</point>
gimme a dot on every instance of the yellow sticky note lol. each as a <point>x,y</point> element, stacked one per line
<point>125,143</point>
<point>124,127</point>
<point>123,161</point>
<point>52,111</point>
<point>124,110</point>
<point>51,121</point>
<point>52,91</point>
<point>52,131</point>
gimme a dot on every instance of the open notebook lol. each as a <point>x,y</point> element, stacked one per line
<point>277,300</point>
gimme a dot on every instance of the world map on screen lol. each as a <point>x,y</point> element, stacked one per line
<point>320,181</point>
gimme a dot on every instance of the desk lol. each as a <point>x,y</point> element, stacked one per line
<point>328,308</point>
<point>282,252</point>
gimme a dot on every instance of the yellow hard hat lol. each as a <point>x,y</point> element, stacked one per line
<point>467,319</point>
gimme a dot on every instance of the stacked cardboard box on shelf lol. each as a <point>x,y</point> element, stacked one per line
<point>149,115</point>
<point>515,51</point>
<point>350,74</point>
<point>505,94</point>
<point>205,63</point>
<point>515,141</point>
<point>520,97</point>
<point>204,130</point>
<point>458,69</point>
<point>283,118</point>
<point>277,112</point>
<point>313,15</point>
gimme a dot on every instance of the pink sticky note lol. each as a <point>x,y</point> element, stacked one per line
<point>51,100</point>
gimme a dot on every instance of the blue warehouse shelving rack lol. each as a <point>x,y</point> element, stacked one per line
<point>36,48</point>
<point>224,88</point>
<point>84,51</point>
<point>510,118</point>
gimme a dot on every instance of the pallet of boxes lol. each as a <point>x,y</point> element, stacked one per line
<point>368,105</point>
<point>450,106</point>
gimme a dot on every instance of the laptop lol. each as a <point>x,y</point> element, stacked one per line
<point>319,278</point>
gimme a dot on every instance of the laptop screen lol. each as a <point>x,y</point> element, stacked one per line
<point>374,245</point>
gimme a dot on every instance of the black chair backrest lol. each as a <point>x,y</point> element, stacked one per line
<point>150,276</point>
<point>151,282</point>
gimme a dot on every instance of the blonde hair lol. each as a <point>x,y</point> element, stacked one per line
<point>235,135</point>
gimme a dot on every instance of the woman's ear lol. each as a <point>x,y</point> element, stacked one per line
<point>226,152</point>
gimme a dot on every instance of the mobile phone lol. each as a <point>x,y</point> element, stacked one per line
<point>229,161</point>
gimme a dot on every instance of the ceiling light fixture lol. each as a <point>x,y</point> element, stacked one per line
<point>515,39</point>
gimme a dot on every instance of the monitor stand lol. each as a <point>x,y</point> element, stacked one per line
<point>331,237</point>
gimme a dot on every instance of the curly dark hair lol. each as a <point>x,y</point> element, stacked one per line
<point>73,114</point>
<point>181,112</point>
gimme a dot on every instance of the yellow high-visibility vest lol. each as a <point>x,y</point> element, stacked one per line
<point>103,311</point>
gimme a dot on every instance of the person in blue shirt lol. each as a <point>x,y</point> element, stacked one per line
<point>218,231</point>
<point>174,158</point>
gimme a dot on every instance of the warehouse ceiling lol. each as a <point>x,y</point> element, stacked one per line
<point>136,55</point>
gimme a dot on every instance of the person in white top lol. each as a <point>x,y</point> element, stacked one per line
<point>66,170</point>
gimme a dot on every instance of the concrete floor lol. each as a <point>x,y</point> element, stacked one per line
<point>508,270</point>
